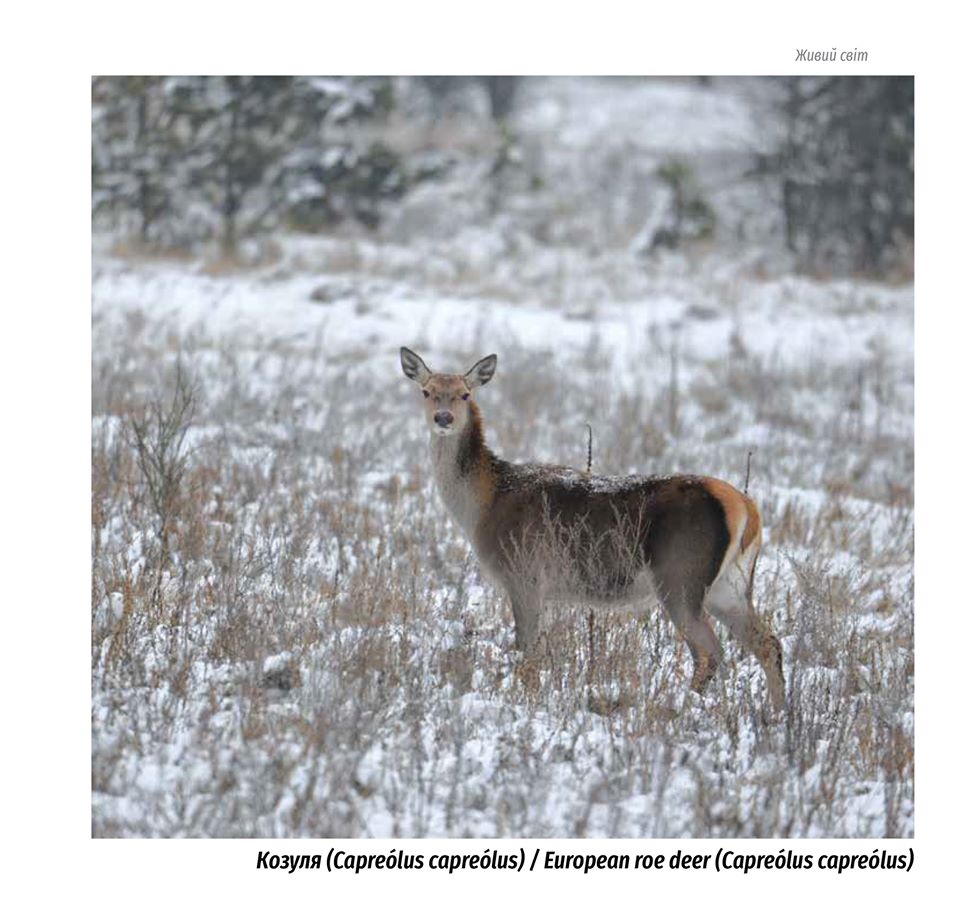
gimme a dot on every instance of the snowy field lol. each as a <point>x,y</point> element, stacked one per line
<point>291,638</point>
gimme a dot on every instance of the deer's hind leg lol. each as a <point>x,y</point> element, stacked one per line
<point>686,612</point>
<point>729,600</point>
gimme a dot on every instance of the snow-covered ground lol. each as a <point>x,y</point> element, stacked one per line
<point>306,646</point>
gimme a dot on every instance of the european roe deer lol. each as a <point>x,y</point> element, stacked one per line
<point>553,533</point>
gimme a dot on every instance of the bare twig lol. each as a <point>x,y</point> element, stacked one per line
<point>158,436</point>
<point>589,449</point>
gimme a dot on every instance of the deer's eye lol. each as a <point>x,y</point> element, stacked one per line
<point>426,393</point>
<point>465,397</point>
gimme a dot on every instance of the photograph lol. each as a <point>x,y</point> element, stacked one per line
<point>502,457</point>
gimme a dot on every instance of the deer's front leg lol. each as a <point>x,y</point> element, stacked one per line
<point>526,605</point>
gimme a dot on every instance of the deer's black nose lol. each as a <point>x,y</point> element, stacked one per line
<point>443,418</point>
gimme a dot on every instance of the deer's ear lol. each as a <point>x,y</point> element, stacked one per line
<point>413,366</point>
<point>481,372</point>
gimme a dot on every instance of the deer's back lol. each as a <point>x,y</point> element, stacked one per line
<point>595,537</point>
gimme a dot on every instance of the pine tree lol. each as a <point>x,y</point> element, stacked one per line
<point>228,156</point>
<point>132,152</point>
<point>845,167</point>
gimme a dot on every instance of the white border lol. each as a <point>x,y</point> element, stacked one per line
<point>46,373</point>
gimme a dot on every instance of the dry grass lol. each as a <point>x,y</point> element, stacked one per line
<point>297,641</point>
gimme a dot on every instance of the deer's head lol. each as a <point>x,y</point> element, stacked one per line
<point>446,397</point>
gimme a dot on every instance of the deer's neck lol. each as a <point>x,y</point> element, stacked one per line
<point>463,467</point>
